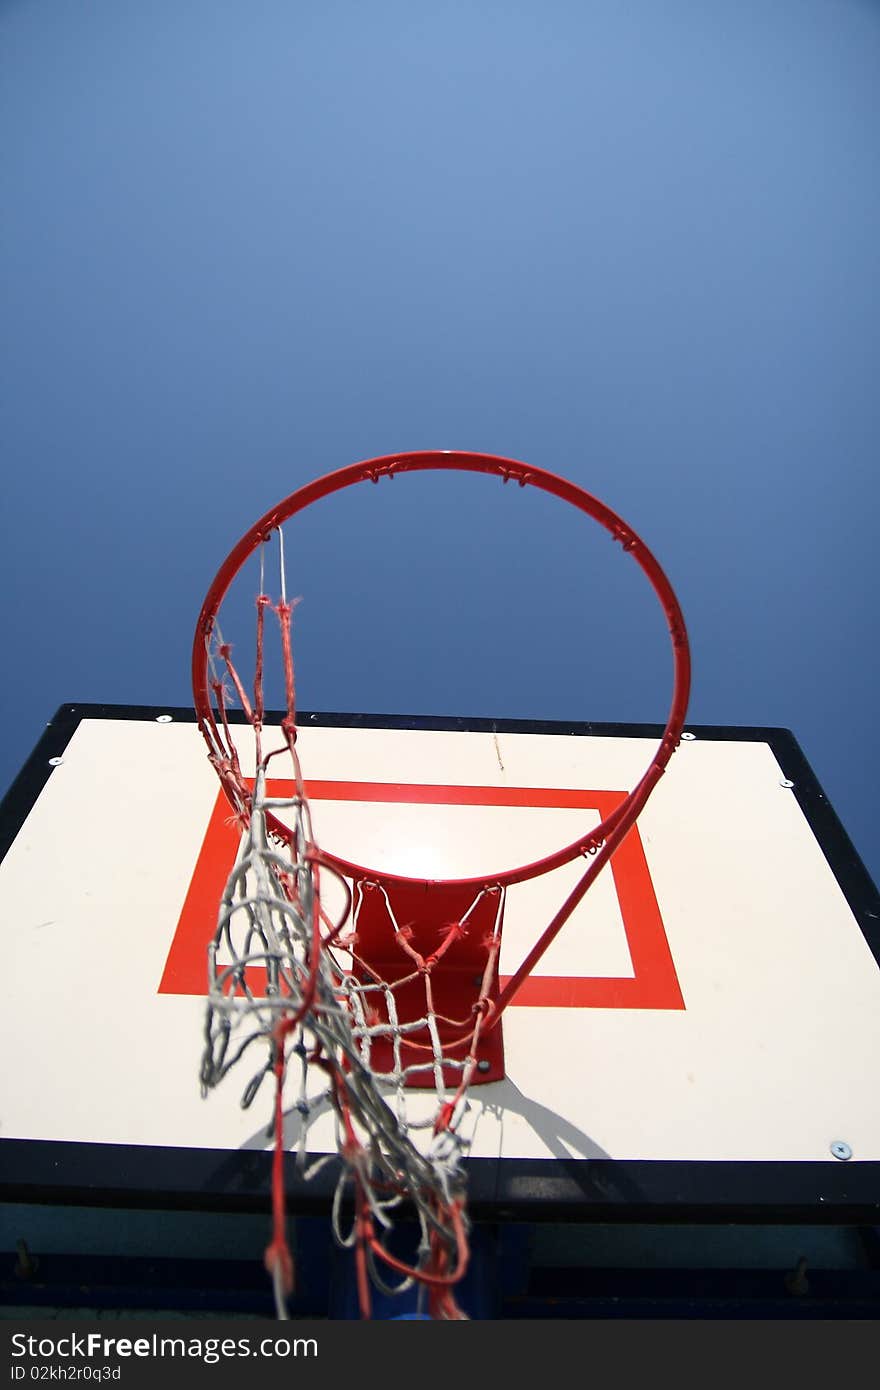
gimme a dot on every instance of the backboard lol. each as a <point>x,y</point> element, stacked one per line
<point>700,1042</point>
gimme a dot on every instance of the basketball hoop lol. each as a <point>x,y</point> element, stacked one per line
<point>387,1010</point>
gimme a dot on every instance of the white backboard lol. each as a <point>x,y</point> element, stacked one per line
<point>704,1033</point>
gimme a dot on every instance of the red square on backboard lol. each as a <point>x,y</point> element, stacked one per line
<point>653,984</point>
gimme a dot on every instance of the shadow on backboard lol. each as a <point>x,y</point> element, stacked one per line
<point>508,1130</point>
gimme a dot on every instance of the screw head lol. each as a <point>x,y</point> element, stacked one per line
<point>55,762</point>
<point>482,1065</point>
<point>785,783</point>
<point>841,1150</point>
<point>164,719</point>
<point>688,738</point>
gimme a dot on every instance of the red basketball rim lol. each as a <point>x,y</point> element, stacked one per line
<point>372,470</point>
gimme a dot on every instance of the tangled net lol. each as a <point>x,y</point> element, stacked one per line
<point>288,981</point>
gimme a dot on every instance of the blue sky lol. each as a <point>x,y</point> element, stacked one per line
<point>635,244</point>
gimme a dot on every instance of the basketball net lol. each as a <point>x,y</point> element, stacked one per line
<point>382,1012</point>
<point>287,981</point>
